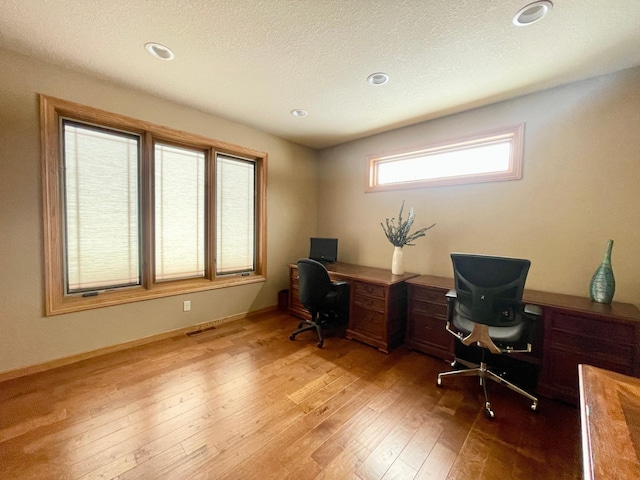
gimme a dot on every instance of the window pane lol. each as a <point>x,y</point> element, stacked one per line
<point>470,161</point>
<point>235,215</point>
<point>179,212</point>
<point>101,208</point>
<point>485,157</point>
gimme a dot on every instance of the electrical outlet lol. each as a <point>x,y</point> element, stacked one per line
<point>186,305</point>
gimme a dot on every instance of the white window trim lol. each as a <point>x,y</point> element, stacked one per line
<point>514,134</point>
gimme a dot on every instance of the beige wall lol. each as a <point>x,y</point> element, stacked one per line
<point>29,338</point>
<point>580,187</point>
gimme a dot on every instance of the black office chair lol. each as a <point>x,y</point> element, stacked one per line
<point>323,298</point>
<point>486,309</point>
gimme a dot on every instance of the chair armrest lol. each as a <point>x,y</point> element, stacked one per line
<point>531,315</point>
<point>451,297</point>
<point>532,310</point>
<point>340,287</point>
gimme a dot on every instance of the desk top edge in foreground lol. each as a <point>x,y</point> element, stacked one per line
<point>610,423</point>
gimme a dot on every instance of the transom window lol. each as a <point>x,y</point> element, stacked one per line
<point>136,211</point>
<point>486,157</point>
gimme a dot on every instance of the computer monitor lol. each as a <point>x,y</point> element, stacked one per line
<point>324,250</point>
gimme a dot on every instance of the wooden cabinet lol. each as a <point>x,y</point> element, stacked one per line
<point>377,303</point>
<point>572,330</point>
<point>605,336</point>
<point>385,308</point>
<point>368,313</point>
<point>377,314</point>
<point>427,316</point>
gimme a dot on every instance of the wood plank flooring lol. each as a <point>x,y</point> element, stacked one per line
<point>242,401</point>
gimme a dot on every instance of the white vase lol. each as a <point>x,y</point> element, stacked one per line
<point>397,261</point>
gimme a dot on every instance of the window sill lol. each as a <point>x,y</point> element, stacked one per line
<point>77,303</point>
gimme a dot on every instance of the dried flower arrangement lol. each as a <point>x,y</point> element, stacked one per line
<point>399,234</point>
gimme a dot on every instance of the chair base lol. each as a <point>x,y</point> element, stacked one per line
<point>318,321</point>
<point>307,325</point>
<point>481,371</point>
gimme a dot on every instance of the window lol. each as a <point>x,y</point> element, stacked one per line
<point>235,220</point>
<point>179,212</point>
<point>100,208</point>
<point>135,211</point>
<point>486,157</point>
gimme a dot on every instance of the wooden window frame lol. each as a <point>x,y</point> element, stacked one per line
<point>52,110</point>
<point>513,134</point>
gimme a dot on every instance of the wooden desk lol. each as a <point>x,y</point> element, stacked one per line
<point>610,420</point>
<point>573,330</point>
<point>377,302</point>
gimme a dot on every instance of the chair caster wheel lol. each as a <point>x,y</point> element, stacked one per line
<point>453,364</point>
<point>320,344</point>
<point>488,412</point>
<point>439,382</point>
<point>292,337</point>
<point>534,406</point>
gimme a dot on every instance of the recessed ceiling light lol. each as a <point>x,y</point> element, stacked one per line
<point>299,113</point>
<point>378,78</point>
<point>532,13</point>
<point>159,51</point>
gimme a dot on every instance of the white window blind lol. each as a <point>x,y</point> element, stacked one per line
<point>135,205</point>
<point>179,212</point>
<point>235,215</point>
<point>101,208</point>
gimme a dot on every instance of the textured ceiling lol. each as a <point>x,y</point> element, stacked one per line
<point>253,61</point>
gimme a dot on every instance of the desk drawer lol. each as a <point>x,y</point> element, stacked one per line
<point>612,332</point>
<point>366,321</point>
<point>369,303</point>
<point>429,309</point>
<point>368,289</point>
<point>563,367</point>
<point>592,349</point>
<point>430,330</point>
<point>429,295</point>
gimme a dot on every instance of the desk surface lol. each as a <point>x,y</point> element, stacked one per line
<point>610,418</point>
<point>375,275</point>
<point>623,311</point>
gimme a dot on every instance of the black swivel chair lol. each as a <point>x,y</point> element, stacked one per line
<point>323,298</point>
<point>486,309</point>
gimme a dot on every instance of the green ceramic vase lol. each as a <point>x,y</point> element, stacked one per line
<point>603,284</point>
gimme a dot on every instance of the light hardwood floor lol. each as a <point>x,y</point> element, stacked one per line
<point>242,401</point>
